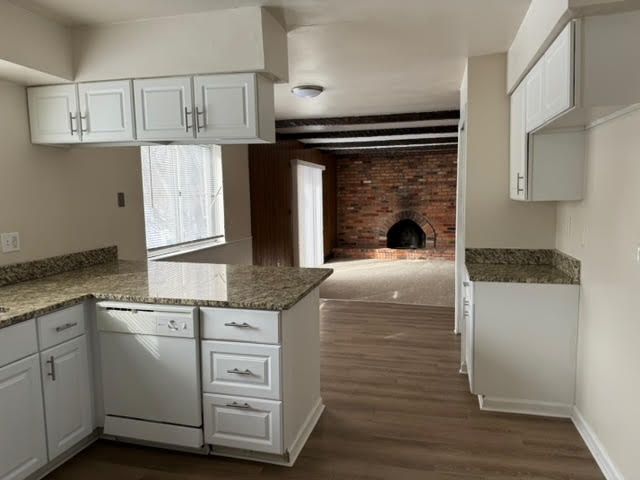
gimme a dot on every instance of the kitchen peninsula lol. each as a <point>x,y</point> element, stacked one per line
<point>217,359</point>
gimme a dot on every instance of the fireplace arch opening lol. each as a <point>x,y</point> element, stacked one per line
<point>406,234</point>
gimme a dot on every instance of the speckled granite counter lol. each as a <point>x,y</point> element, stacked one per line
<point>522,266</point>
<point>200,284</point>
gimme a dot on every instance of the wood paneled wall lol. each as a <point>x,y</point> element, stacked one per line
<point>271,200</point>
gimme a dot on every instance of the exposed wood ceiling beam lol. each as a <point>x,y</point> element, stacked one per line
<point>383,143</point>
<point>401,150</point>
<point>302,136</point>
<point>370,119</point>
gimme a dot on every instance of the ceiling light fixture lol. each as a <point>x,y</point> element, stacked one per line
<point>307,91</point>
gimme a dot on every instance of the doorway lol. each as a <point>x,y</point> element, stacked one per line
<point>308,214</point>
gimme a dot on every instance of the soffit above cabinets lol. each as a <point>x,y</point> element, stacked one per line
<point>221,41</point>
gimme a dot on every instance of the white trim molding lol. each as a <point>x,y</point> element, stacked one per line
<point>600,454</point>
<point>527,407</point>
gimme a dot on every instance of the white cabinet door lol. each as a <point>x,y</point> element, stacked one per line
<point>23,448</point>
<point>558,87</point>
<point>469,332</point>
<point>67,394</point>
<point>53,114</point>
<point>226,106</point>
<point>534,97</point>
<point>164,108</point>
<point>518,146</point>
<point>241,422</point>
<point>106,113</point>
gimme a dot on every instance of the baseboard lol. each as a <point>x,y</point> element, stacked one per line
<point>526,407</point>
<point>600,454</point>
<point>66,456</point>
<point>305,431</point>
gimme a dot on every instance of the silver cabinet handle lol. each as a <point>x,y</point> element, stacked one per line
<point>66,326</point>
<point>72,117</point>
<point>518,188</point>
<point>244,406</point>
<point>83,119</point>
<point>198,113</point>
<point>187,114</point>
<point>52,373</point>
<point>239,325</point>
<point>237,371</point>
<point>465,302</point>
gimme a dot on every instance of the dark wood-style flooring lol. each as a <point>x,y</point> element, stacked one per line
<point>396,409</point>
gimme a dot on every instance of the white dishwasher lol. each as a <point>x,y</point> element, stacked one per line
<point>151,372</point>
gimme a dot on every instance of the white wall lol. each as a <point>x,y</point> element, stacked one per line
<point>603,231</point>
<point>238,248</point>
<point>33,43</point>
<point>64,200</point>
<point>209,42</point>
<point>492,219</point>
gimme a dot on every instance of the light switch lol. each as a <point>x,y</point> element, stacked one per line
<point>10,242</point>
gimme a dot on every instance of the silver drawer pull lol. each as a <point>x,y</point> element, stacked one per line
<point>66,326</point>
<point>237,371</point>
<point>244,406</point>
<point>239,325</point>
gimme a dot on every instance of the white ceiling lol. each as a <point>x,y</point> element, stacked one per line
<point>372,56</point>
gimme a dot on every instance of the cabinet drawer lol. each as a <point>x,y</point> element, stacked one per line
<point>259,326</point>
<point>18,341</point>
<point>245,423</point>
<point>57,327</point>
<point>245,369</point>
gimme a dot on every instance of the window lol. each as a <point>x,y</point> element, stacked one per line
<point>183,198</point>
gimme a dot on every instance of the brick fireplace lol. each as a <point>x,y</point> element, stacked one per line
<point>409,199</point>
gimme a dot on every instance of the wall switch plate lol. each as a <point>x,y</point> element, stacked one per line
<point>10,242</point>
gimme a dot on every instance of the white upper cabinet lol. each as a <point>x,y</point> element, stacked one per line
<point>226,106</point>
<point>234,107</point>
<point>164,108</point>
<point>558,87</point>
<point>518,146</point>
<point>106,113</point>
<point>22,433</point>
<point>67,394</point>
<point>550,85</point>
<point>534,105</point>
<point>53,114</point>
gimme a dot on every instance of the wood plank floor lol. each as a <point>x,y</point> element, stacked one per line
<point>396,409</point>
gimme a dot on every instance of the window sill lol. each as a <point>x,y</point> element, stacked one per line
<point>175,251</point>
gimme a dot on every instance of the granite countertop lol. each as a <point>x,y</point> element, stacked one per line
<point>522,266</point>
<point>171,283</point>
<point>491,272</point>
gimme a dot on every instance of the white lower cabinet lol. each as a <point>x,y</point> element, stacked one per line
<point>245,423</point>
<point>23,448</point>
<point>521,346</point>
<point>67,394</point>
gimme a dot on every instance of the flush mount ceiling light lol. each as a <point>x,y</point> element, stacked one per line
<point>307,91</point>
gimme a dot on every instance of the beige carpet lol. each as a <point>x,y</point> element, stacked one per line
<point>416,282</point>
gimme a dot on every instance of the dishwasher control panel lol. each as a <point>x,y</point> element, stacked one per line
<point>166,321</point>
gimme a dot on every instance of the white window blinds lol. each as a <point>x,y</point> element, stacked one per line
<point>183,197</point>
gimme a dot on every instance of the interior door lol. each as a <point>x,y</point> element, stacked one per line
<point>22,434</point>
<point>53,114</point>
<point>106,113</point>
<point>67,394</point>
<point>226,106</point>
<point>164,108</point>
<point>309,227</point>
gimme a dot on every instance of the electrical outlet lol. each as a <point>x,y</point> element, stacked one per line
<point>10,242</point>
